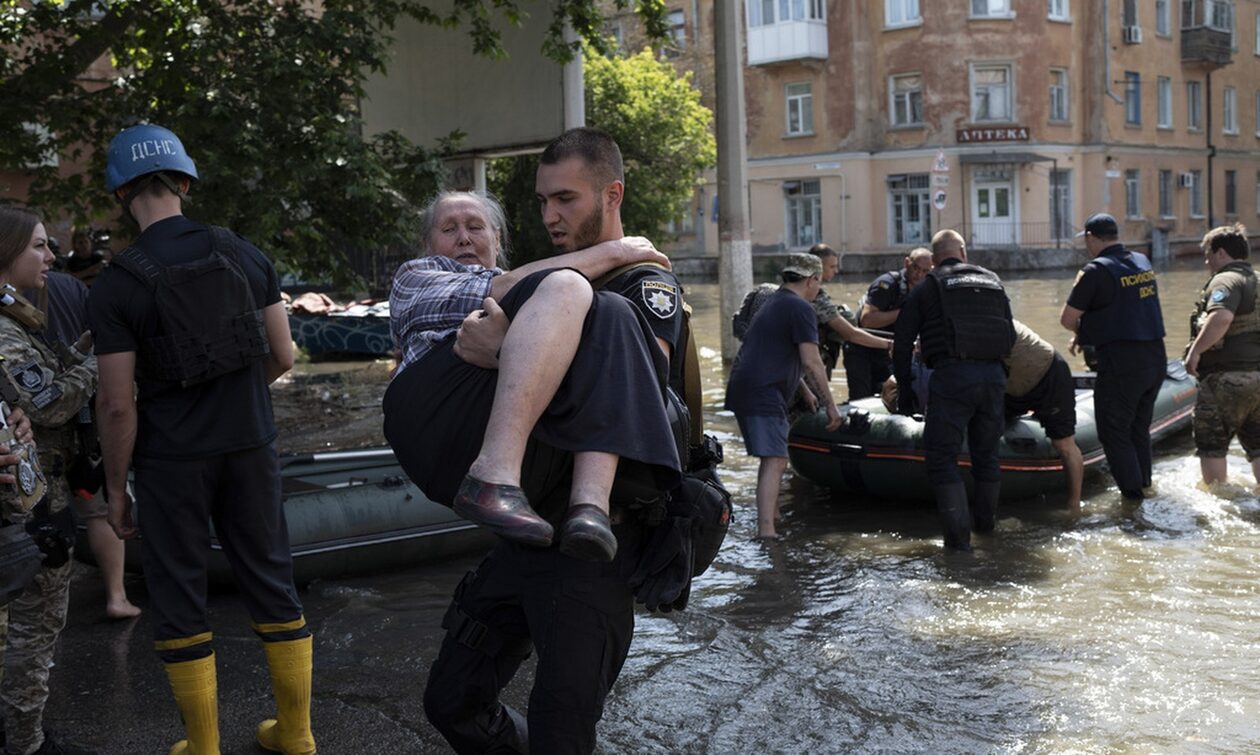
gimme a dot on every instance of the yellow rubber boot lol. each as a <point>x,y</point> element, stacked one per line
<point>196,691</point>
<point>290,731</point>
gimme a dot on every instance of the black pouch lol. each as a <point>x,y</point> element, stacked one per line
<point>19,561</point>
<point>53,535</point>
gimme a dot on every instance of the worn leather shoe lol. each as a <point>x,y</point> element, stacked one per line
<point>504,510</point>
<point>587,534</point>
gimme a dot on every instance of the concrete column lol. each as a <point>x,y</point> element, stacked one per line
<point>574,84</point>
<point>734,243</point>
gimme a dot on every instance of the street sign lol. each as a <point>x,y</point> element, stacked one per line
<point>938,199</point>
<point>940,179</point>
<point>939,163</point>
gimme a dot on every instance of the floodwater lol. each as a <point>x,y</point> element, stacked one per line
<point>1121,628</point>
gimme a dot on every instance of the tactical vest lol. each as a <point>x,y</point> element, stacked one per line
<point>209,323</point>
<point>1237,350</point>
<point>977,321</point>
<point>1134,314</point>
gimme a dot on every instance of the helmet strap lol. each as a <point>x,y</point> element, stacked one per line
<point>141,184</point>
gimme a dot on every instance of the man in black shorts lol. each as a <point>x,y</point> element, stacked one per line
<point>1039,380</point>
<point>200,433</point>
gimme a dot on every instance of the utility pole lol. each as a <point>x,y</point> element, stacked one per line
<point>734,244</point>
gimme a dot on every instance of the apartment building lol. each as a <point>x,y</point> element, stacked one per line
<point>874,123</point>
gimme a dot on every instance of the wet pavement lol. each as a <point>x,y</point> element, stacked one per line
<point>1117,629</point>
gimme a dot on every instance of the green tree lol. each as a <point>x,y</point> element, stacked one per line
<point>666,140</point>
<point>264,94</point>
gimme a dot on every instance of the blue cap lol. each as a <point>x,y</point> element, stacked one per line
<point>144,149</point>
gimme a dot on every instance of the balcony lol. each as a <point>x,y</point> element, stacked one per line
<point>787,40</point>
<point>1203,45</point>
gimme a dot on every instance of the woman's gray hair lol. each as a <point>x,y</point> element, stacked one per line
<point>490,207</point>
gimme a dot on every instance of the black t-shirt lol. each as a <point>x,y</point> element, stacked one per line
<point>887,292</point>
<point>657,294</point>
<point>768,369</point>
<point>228,413</point>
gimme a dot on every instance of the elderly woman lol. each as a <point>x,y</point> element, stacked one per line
<point>577,374</point>
<point>51,393</point>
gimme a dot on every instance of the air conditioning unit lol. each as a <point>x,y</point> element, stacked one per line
<point>1133,35</point>
<point>1186,180</point>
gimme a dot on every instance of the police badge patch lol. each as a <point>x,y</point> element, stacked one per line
<point>29,376</point>
<point>1219,295</point>
<point>660,297</point>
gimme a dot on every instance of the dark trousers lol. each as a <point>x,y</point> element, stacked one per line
<point>176,502</point>
<point>865,370</point>
<point>966,401</point>
<point>579,616</point>
<point>1124,404</point>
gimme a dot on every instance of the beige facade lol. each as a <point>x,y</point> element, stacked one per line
<point>1045,110</point>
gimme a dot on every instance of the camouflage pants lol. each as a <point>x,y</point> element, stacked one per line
<point>29,627</point>
<point>1228,405</point>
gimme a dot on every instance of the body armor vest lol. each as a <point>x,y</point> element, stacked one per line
<point>210,324</point>
<point>1242,340</point>
<point>976,312</point>
<point>1134,314</point>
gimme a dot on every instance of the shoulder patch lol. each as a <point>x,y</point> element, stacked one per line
<point>1218,295</point>
<point>884,285</point>
<point>46,396</point>
<point>29,376</point>
<point>660,298</point>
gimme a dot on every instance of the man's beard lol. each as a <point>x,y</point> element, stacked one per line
<point>590,230</point>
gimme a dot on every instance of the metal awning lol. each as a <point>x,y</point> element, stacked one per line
<point>1002,158</point>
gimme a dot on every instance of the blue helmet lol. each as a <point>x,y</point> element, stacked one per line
<point>144,149</point>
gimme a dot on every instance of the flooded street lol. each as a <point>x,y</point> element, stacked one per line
<point>1121,628</point>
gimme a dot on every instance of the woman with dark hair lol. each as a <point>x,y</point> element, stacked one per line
<point>52,395</point>
<point>576,374</point>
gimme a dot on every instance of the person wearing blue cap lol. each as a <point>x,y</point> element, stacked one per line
<point>1114,307</point>
<point>190,331</point>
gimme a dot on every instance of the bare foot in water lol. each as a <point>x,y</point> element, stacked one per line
<point>121,609</point>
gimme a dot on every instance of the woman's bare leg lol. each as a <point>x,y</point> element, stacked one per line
<point>535,357</point>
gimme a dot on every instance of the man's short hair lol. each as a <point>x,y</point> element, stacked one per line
<point>596,148</point>
<point>1231,238</point>
<point>822,251</point>
<point>944,242</point>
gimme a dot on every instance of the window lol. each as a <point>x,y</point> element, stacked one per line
<point>1132,195</point>
<point>1219,14</point>
<point>991,9</point>
<point>1231,192</point>
<point>1196,194</point>
<point>1133,98</point>
<point>800,109</point>
<point>1163,17</point>
<point>763,12</point>
<point>1163,91</point>
<point>678,29</point>
<point>760,12</point>
<point>1058,94</point>
<point>803,200</point>
<point>910,209</point>
<point>1258,192</point>
<point>1258,113</point>
<point>991,93</point>
<point>901,12</point>
<point>1130,13</point>
<point>615,31</point>
<point>907,100</point>
<point>1165,193</point>
<point>1230,104</point>
<point>1258,35</point>
<point>1061,204</point>
<point>1194,105</point>
<point>1058,10</point>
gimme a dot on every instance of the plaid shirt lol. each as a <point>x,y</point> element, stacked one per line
<point>430,297</point>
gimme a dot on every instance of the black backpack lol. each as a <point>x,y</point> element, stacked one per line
<point>209,323</point>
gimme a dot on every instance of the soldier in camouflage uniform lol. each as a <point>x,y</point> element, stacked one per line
<point>52,395</point>
<point>1225,354</point>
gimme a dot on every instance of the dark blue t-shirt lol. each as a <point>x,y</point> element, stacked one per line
<point>768,368</point>
<point>228,413</point>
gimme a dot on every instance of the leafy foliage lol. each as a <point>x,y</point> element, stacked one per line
<point>264,94</point>
<point>666,140</point>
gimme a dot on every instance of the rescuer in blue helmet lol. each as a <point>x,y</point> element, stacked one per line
<point>190,331</point>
